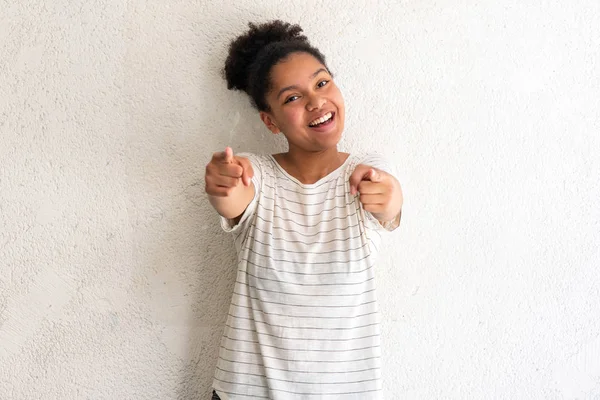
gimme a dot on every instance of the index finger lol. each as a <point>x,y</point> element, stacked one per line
<point>225,157</point>
<point>368,187</point>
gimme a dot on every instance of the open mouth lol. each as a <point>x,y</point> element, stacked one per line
<point>322,121</point>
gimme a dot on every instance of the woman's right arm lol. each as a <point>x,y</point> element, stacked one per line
<point>229,184</point>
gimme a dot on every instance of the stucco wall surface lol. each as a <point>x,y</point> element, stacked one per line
<point>115,278</point>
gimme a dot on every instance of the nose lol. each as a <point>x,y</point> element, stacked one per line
<point>315,102</point>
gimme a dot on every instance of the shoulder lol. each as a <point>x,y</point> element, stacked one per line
<point>372,159</point>
<point>259,162</point>
<point>262,158</point>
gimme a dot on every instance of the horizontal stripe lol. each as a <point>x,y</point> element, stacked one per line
<point>328,394</point>
<point>320,213</point>
<point>308,252</point>
<point>301,262</point>
<point>303,294</point>
<point>305,235</point>
<point>310,350</point>
<point>308,284</point>
<point>245,340</point>
<point>318,242</point>
<point>333,298</point>
<point>320,223</point>
<point>320,251</point>
<point>302,361</point>
<point>306,193</point>
<point>300,382</point>
<point>282,199</point>
<point>320,328</point>
<point>301,338</point>
<point>313,273</point>
<point>306,316</point>
<point>301,372</point>
<point>304,305</point>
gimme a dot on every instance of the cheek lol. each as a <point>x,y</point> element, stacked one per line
<point>294,116</point>
<point>335,96</point>
<point>339,98</point>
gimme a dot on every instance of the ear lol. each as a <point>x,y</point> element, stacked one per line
<point>269,122</point>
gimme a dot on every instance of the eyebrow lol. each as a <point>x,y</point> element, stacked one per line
<point>317,72</point>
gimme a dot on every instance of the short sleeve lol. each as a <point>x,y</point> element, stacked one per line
<point>380,162</point>
<point>227,224</point>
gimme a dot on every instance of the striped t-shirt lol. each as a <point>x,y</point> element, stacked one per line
<point>303,321</point>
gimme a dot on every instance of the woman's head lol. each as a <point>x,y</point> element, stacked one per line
<point>288,82</point>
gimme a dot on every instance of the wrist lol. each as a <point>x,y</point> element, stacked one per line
<point>389,221</point>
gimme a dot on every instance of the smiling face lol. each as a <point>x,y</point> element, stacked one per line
<point>305,104</point>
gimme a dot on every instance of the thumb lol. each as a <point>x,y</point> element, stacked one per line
<point>247,171</point>
<point>374,175</point>
<point>361,172</point>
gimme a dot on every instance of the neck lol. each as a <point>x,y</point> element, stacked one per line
<point>309,167</point>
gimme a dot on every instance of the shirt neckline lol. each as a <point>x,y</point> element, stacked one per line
<point>324,179</point>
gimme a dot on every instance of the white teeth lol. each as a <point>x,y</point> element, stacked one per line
<point>324,118</point>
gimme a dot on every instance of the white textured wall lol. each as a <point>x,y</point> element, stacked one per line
<point>115,278</point>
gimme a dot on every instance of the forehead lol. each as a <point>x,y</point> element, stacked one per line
<point>297,68</point>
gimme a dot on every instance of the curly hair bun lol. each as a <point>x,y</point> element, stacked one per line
<point>244,50</point>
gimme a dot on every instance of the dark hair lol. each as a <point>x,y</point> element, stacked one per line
<point>253,55</point>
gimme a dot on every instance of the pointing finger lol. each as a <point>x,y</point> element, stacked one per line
<point>231,170</point>
<point>228,155</point>
<point>368,187</point>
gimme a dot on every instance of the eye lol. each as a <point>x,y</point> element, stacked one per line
<point>322,83</point>
<point>291,98</point>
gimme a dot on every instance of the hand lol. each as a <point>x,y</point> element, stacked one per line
<point>380,192</point>
<point>224,172</point>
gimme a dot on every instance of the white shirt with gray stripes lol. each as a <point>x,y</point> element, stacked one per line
<point>303,321</point>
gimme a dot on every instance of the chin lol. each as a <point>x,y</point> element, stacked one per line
<point>330,142</point>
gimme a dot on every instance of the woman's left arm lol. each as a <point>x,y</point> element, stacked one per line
<point>380,194</point>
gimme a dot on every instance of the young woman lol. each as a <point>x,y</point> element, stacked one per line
<point>303,321</point>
